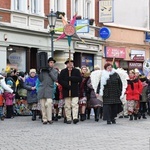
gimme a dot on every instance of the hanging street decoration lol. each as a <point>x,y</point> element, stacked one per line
<point>69,29</point>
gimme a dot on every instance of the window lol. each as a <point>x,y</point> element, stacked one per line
<point>76,6</point>
<point>20,5</point>
<point>37,7</point>
<point>88,9</point>
<point>57,5</point>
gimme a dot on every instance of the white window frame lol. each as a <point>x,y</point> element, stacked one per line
<point>37,7</point>
<point>88,8</point>
<point>19,5</point>
<point>76,2</point>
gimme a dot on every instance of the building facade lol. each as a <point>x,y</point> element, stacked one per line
<point>24,32</point>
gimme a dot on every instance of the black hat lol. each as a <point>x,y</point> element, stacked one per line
<point>51,59</point>
<point>21,74</point>
<point>68,60</point>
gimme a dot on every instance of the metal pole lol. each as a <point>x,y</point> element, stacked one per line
<point>52,44</point>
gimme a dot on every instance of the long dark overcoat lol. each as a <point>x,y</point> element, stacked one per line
<point>112,90</point>
<point>75,79</point>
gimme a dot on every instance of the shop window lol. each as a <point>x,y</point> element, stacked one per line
<point>16,58</point>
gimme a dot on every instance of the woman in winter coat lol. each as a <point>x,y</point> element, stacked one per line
<point>85,74</point>
<point>110,90</point>
<point>30,85</point>
<point>94,102</point>
<point>133,92</point>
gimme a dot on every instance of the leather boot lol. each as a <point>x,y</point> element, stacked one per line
<point>88,113</point>
<point>97,112</point>
<point>101,112</point>
<point>81,118</point>
<point>144,117</point>
<point>33,115</point>
<point>131,117</point>
<point>135,116</point>
<point>56,117</point>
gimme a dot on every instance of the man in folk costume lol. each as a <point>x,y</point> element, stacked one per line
<point>111,91</point>
<point>70,78</point>
<point>47,77</point>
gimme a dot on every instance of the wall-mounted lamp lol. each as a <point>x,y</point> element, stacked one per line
<point>5,37</point>
<point>9,48</point>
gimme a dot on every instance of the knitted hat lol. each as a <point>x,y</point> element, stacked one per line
<point>32,70</point>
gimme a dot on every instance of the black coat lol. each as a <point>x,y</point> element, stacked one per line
<point>75,80</point>
<point>112,90</point>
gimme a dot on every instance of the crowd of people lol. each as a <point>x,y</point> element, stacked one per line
<point>71,93</point>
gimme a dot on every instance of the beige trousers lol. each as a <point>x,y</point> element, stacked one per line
<point>46,107</point>
<point>71,105</point>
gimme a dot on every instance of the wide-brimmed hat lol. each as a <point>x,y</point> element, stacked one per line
<point>68,60</point>
<point>51,59</point>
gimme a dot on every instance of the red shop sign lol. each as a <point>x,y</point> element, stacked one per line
<point>111,52</point>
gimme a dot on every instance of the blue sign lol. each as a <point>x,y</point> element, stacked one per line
<point>80,23</point>
<point>147,36</point>
<point>104,33</point>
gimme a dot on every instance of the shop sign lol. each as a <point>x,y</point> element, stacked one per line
<point>104,33</point>
<point>137,55</point>
<point>14,58</point>
<point>106,11</point>
<point>147,36</point>
<point>114,52</point>
<point>87,60</point>
<point>133,65</point>
<point>82,22</point>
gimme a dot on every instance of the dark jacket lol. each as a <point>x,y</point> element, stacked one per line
<point>75,79</point>
<point>112,90</point>
<point>46,86</point>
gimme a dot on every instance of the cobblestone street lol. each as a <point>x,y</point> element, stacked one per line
<point>21,133</point>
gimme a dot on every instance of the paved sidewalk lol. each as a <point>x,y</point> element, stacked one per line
<point>21,133</point>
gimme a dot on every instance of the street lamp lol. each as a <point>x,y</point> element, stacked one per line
<point>52,17</point>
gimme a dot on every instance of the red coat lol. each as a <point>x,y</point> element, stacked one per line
<point>134,89</point>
